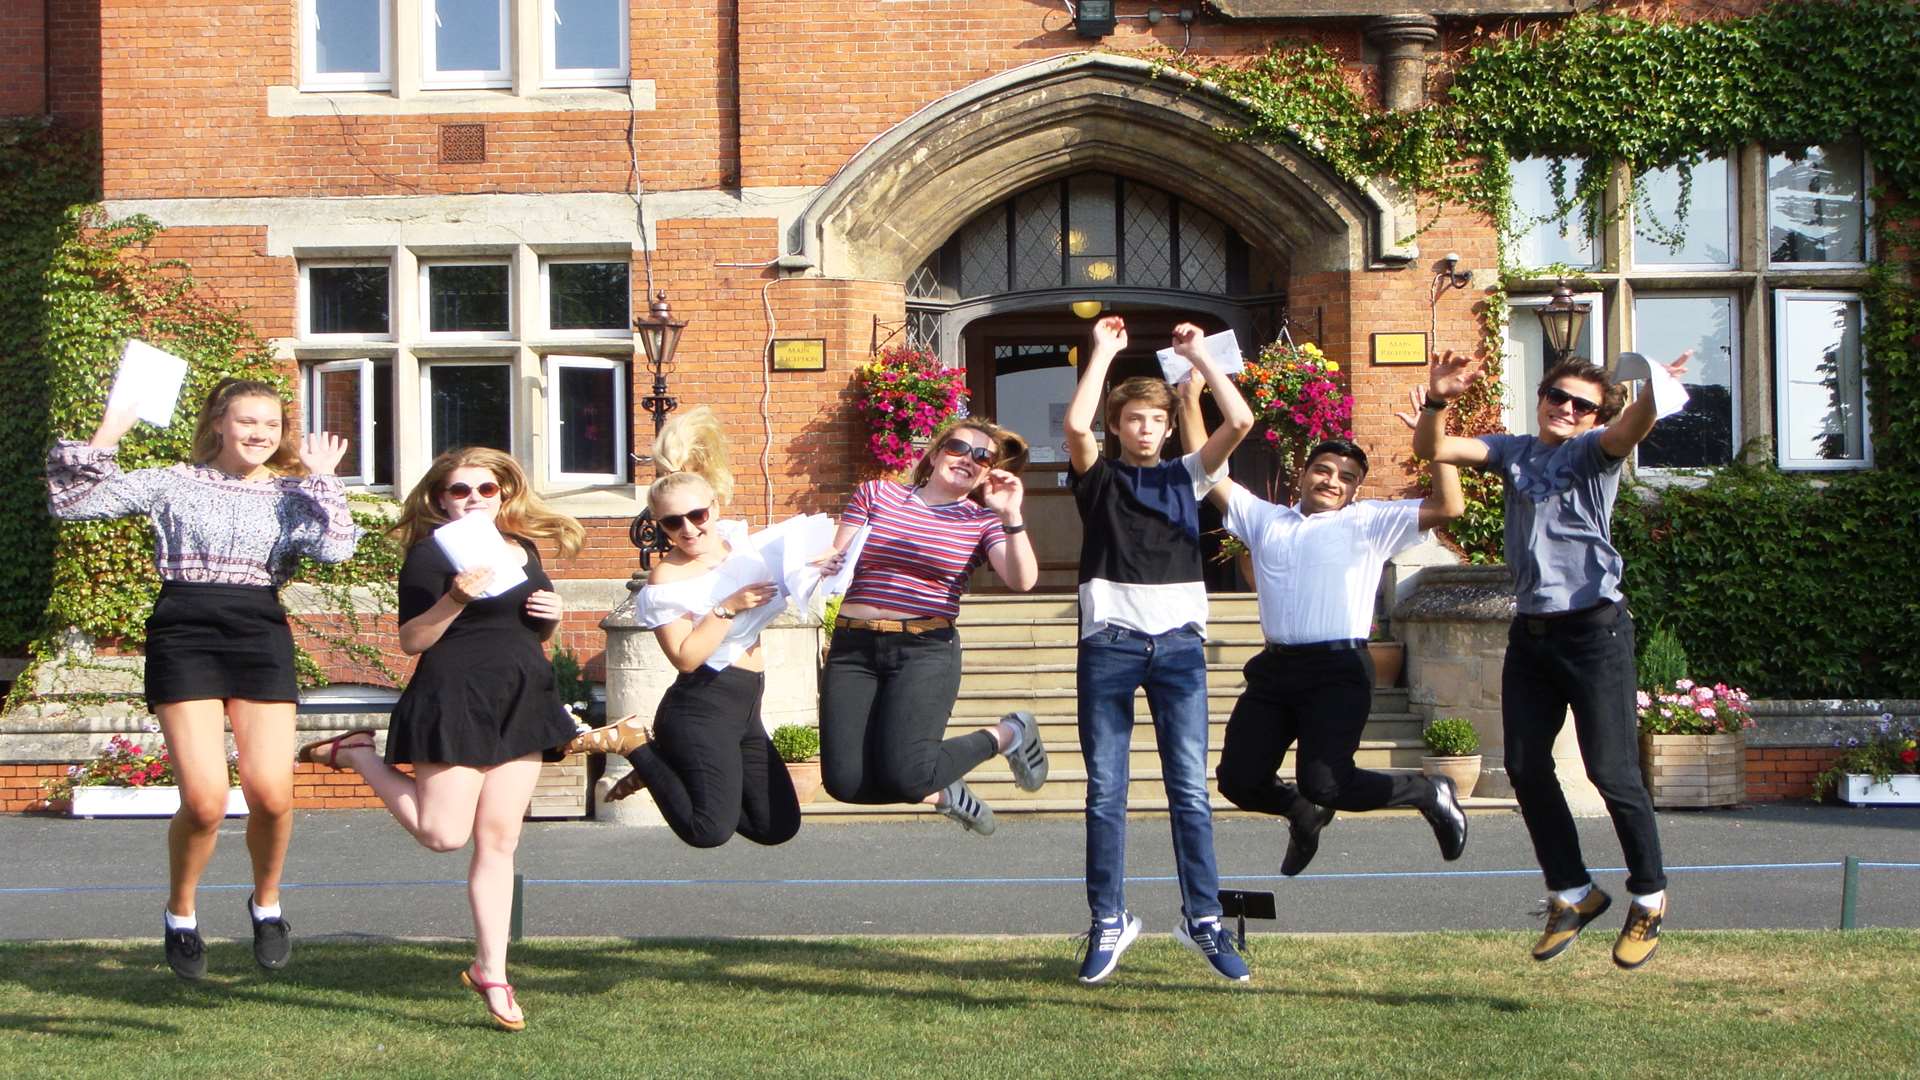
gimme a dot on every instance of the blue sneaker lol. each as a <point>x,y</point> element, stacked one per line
<point>1215,942</point>
<point>1108,938</point>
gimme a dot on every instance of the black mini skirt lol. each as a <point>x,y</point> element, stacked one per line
<point>218,641</point>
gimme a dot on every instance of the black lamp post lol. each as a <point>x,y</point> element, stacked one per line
<point>1562,319</point>
<point>660,336</point>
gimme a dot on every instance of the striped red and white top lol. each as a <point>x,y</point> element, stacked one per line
<point>917,557</point>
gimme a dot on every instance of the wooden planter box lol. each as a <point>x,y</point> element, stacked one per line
<point>1694,770</point>
<point>562,790</point>
<point>97,802</point>
<point>1858,789</point>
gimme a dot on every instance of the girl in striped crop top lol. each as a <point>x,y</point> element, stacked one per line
<point>893,669</point>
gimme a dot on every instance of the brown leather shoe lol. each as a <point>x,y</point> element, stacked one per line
<point>1565,921</point>
<point>1640,938</point>
<point>622,737</point>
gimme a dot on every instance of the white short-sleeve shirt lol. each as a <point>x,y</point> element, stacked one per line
<point>1318,573</point>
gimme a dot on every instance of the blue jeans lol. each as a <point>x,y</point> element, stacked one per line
<point>1113,663</point>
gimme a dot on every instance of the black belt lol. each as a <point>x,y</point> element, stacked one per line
<point>1601,614</point>
<point>1336,645</point>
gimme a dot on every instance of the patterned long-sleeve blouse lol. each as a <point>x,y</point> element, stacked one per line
<point>208,526</point>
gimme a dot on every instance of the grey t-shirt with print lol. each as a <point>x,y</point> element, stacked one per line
<point>1559,510</point>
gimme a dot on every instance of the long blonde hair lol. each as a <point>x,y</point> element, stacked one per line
<point>1010,449</point>
<point>693,443</point>
<point>522,513</point>
<point>206,440</point>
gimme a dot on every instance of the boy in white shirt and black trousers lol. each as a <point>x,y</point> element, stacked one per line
<point>1317,566</point>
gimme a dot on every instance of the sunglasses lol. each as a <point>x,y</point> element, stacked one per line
<point>487,490</point>
<point>677,522</point>
<point>1557,397</point>
<point>982,455</point>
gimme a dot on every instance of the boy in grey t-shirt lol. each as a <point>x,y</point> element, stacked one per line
<point>1571,645</point>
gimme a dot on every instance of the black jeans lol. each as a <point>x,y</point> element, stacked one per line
<point>884,703</point>
<point>1584,661</point>
<point>711,766</point>
<point>1320,699</point>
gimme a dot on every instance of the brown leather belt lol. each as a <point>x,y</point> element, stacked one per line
<point>894,626</point>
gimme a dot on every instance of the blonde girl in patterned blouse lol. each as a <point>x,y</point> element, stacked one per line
<point>230,526</point>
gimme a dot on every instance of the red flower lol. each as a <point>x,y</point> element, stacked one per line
<point>1910,757</point>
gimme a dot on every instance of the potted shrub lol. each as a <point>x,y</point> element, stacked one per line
<point>1693,743</point>
<point>799,746</point>
<point>1455,753</point>
<point>1389,657</point>
<point>1884,770</point>
<point>127,780</point>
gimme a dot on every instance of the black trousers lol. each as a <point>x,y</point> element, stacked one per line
<point>884,703</point>
<point>711,767</point>
<point>1319,700</point>
<point>1583,662</point>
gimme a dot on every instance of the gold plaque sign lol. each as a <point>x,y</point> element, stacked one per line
<point>1399,348</point>
<point>800,354</point>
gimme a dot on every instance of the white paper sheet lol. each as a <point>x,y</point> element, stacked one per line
<point>1669,396</point>
<point>472,542</point>
<point>748,565</point>
<point>1222,348</point>
<point>789,548</point>
<point>149,380</point>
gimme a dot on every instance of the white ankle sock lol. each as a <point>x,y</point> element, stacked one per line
<point>1019,736</point>
<point>261,914</point>
<point>1652,900</point>
<point>181,922</point>
<point>1571,897</point>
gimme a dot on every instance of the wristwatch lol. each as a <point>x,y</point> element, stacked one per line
<point>721,611</point>
<point>1433,404</point>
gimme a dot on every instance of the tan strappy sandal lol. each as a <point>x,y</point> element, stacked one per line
<point>622,737</point>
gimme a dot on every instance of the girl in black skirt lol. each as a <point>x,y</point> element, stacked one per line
<point>481,709</point>
<point>710,765</point>
<point>229,528</point>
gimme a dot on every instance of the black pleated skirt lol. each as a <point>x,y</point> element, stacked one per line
<point>218,641</point>
<point>479,699</point>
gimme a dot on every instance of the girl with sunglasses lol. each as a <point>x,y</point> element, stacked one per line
<point>230,526</point>
<point>481,709</point>
<point>708,760</point>
<point>893,670</point>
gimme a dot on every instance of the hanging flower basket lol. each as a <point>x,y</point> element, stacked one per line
<point>1297,401</point>
<point>904,395</point>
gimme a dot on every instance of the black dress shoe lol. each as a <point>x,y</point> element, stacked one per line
<point>1303,834</point>
<point>186,953</point>
<point>272,940</point>
<point>1448,820</point>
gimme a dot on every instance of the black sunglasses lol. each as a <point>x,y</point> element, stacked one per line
<point>982,455</point>
<point>487,490</point>
<point>676,522</point>
<point>1557,397</point>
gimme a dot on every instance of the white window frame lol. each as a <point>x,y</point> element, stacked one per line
<point>623,437</point>
<point>1596,241</point>
<point>554,75</point>
<point>428,333</point>
<point>311,79</point>
<point>1736,371</point>
<point>1781,298</point>
<point>1520,399</point>
<point>470,79</point>
<point>1866,218</point>
<point>304,300</point>
<point>546,295</point>
<point>1732,160</point>
<point>427,368</point>
<point>360,451</point>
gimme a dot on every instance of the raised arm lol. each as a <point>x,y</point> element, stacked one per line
<point>1109,338</point>
<point>325,530</point>
<point>1236,419</point>
<point>1448,378</point>
<point>1636,421</point>
<point>1445,501</point>
<point>1193,435</point>
<point>1014,561</point>
<point>84,482</point>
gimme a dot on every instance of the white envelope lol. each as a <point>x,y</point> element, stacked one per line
<point>1222,348</point>
<point>148,379</point>
<point>1669,396</point>
<point>473,542</point>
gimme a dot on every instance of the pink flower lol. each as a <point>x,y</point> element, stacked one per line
<point>1641,699</point>
<point>1702,695</point>
<point>1706,712</point>
<point>1683,684</point>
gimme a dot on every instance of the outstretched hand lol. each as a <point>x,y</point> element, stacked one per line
<point>1415,398</point>
<point>321,452</point>
<point>1679,365</point>
<point>1451,375</point>
<point>829,561</point>
<point>114,425</point>
<point>1110,334</point>
<point>1188,341</point>
<point>1002,492</point>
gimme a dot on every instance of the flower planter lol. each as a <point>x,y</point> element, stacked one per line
<point>806,779</point>
<point>91,802</point>
<point>1859,789</point>
<point>1694,770</point>
<point>1463,770</point>
<point>1388,658</point>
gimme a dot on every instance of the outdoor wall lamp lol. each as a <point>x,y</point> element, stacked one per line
<point>1087,309</point>
<point>1093,18</point>
<point>1562,319</point>
<point>1449,276</point>
<point>659,335</point>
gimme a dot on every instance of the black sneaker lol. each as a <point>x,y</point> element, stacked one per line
<point>186,953</point>
<point>1448,820</point>
<point>272,940</point>
<point>1304,823</point>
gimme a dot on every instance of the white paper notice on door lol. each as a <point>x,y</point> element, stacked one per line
<point>149,381</point>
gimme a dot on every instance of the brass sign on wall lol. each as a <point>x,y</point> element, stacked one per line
<point>1400,348</point>
<point>800,354</point>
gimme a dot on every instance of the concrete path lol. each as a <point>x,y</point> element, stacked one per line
<point>355,873</point>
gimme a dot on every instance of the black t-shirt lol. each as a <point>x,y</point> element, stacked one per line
<point>1140,526</point>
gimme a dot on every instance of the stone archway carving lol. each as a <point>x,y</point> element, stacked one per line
<point>902,194</point>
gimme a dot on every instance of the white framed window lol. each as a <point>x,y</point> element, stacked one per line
<point>467,403</point>
<point>1819,380</point>
<point>466,44</point>
<point>467,299</point>
<point>354,400</point>
<point>1705,237</point>
<point>1706,432</point>
<point>1543,236</point>
<point>587,419</point>
<point>346,45</point>
<point>587,296</point>
<point>1817,207</point>
<point>585,43</point>
<point>1526,353</point>
<point>346,300</point>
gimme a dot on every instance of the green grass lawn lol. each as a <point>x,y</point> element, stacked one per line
<point>1444,1005</point>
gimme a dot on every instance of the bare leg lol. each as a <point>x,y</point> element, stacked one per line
<point>196,740</point>
<point>496,824</point>
<point>263,734</point>
<point>435,804</point>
